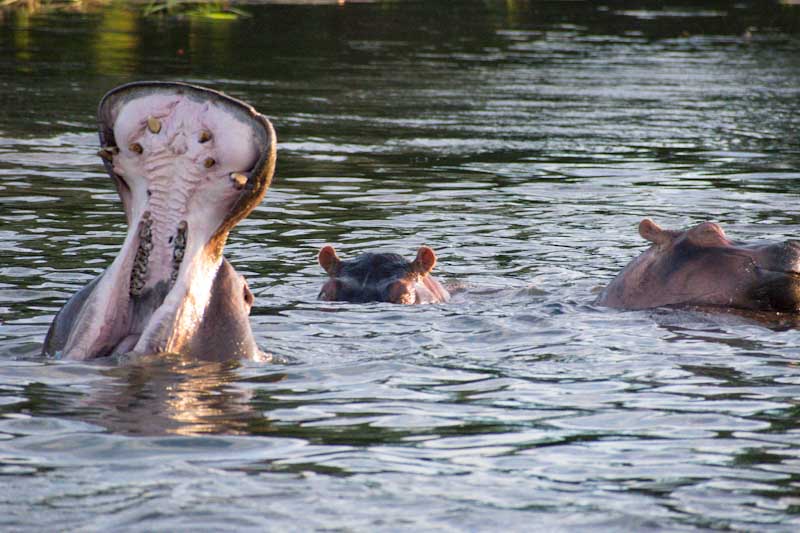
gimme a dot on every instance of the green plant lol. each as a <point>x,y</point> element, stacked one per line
<point>215,10</point>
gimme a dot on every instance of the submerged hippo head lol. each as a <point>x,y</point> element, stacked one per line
<point>188,164</point>
<point>381,278</point>
<point>701,267</point>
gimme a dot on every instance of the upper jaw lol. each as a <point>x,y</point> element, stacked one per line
<point>168,124</point>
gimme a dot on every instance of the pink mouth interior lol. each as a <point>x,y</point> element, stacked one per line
<point>182,162</point>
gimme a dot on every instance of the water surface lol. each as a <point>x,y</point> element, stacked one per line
<point>523,141</point>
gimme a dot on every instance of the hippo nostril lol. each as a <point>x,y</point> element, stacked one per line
<point>209,162</point>
<point>205,136</point>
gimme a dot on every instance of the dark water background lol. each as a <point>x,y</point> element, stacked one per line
<point>523,141</point>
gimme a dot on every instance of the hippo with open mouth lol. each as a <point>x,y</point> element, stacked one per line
<point>701,267</point>
<point>381,277</point>
<point>188,164</point>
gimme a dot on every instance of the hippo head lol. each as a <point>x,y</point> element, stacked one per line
<point>188,164</point>
<point>701,267</point>
<point>381,277</point>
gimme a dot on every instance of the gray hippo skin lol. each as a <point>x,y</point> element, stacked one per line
<point>381,277</point>
<point>701,267</point>
<point>188,164</point>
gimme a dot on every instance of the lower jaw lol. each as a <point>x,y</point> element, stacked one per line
<point>169,289</point>
<point>149,299</point>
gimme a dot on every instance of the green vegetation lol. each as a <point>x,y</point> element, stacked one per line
<point>217,10</point>
<point>208,9</point>
<point>33,6</point>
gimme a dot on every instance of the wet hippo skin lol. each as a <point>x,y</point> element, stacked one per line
<point>702,267</point>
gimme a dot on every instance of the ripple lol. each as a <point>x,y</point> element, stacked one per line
<point>524,145</point>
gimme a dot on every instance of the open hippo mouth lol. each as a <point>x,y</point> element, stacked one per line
<point>188,163</point>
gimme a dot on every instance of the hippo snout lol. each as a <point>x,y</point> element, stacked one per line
<point>788,256</point>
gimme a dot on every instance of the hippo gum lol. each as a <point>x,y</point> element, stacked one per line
<point>188,164</point>
<point>381,277</point>
<point>701,267</point>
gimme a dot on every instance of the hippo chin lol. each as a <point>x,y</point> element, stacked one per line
<point>701,267</point>
<point>381,277</point>
<point>188,164</point>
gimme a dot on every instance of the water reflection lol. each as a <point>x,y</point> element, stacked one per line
<point>171,395</point>
<point>149,396</point>
<point>117,43</point>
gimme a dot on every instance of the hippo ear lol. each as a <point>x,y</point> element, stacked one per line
<point>652,232</point>
<point>328,260</point>
<point>425,261</point>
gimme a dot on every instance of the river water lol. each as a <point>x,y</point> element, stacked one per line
<point>523,141</point>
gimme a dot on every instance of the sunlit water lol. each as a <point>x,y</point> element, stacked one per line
<point>523,141</point>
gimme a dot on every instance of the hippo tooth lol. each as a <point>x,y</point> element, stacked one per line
<point>153,124</point>
<point>135,147</point>
<point>205,136</point>
<point>108,152</point>
<point>178,250</point>
<point>209,162</point>
<point>139,271</point>
<point>239,180</point>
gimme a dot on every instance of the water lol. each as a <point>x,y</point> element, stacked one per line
<point>523,141</point>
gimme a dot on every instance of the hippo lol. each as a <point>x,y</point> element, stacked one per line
<point>381,277</point>
<point>700,267</point>
<point>188,164</point>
